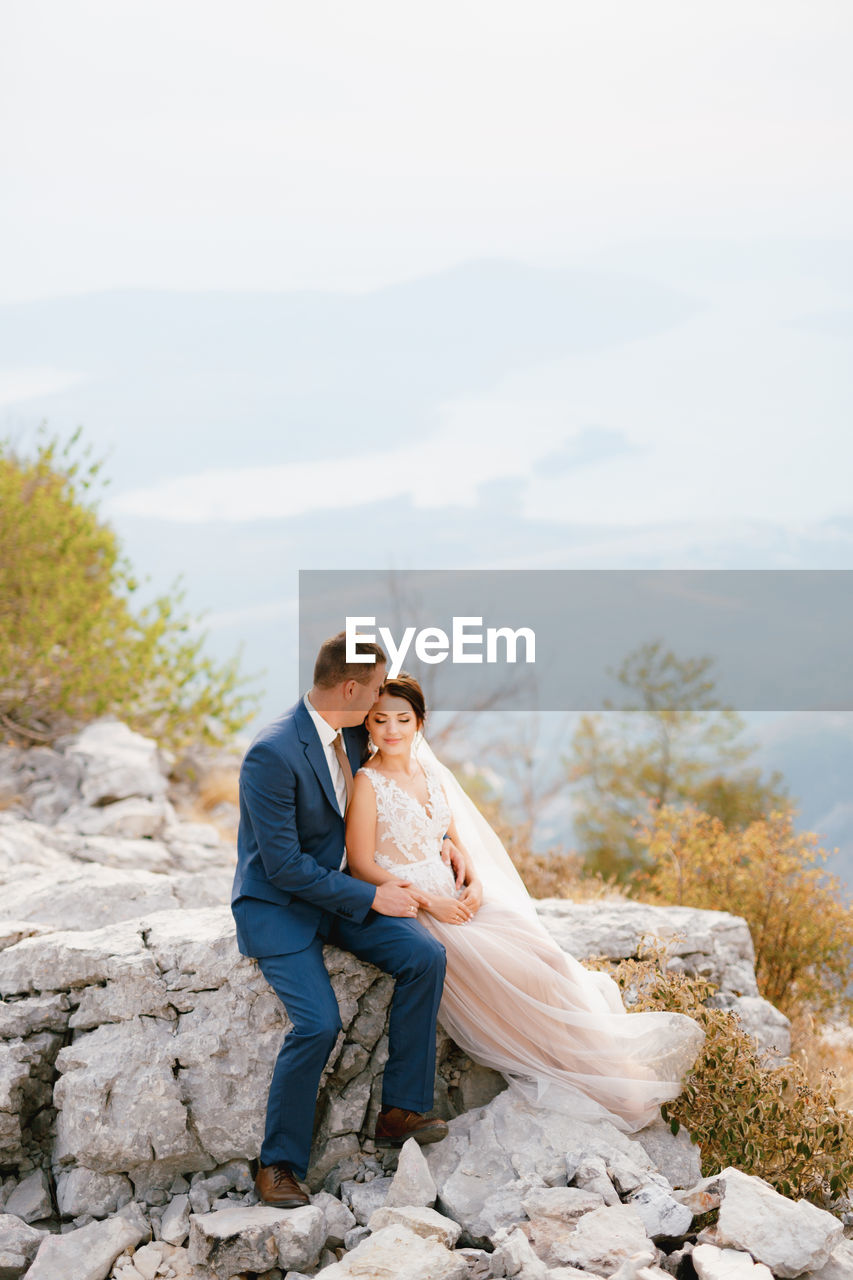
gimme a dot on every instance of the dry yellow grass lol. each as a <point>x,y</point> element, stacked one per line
<point>560,875</point>
<point>8,799</point>
<point>826,1055</point>
<point>218,788</point>
<point>198,802</point>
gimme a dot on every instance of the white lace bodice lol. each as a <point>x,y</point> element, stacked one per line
<point>409,835</point>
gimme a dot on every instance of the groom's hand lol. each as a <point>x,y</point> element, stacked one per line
<point>451,855</point>
<point>398,898</point>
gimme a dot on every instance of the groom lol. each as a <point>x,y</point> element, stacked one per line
<point>291,896</point>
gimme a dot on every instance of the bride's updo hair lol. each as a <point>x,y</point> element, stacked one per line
<point>406,686</point>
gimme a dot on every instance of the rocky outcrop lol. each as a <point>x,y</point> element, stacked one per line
<point>136,1047</point>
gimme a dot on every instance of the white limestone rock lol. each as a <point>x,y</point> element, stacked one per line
<point>421,1220</point>
<point>591,1175</point>
<point>115,763</point>
<point>712,1263</point>
<point>83,1191</point>
<point>364,1198</point>
<point>175,1223</point>
<point>674,1155</point>
<point>662,1215</point>
<point>89,1252</point>
<point>496,1145</point>
<point>338,1218</point>
<point>514,1256</point>
<point>839,1266</point>
<point>130,819</point>
<point>713,943</point>
<point>18,1245</point>
<point>602,1240</point>
<point>566,1204</point>
<point>412,1183</point>
<point>396,1253</point>
<point>790,1237</point>
<point>31,1198</point>
<point>256,1239</point>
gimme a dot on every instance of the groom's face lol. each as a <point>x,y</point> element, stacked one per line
<point>361,697</point>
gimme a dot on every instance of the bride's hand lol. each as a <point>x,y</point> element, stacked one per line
<point>472,898</point>
<point>452,858</point>
<point>449,910</point>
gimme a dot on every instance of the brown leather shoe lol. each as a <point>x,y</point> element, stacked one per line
<point>394,1126</point>
<point>276,1185</point>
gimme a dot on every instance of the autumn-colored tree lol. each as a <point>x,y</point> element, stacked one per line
<point>72,646</point>
<point>670,743</point>
<point>773,876</point>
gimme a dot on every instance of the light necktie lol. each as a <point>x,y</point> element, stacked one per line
<point>346,768</point>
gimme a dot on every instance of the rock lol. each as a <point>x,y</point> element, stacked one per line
<point>789,1236</point>
<point>514,1256</point>
<point>115,763</point>
<point>636,1269</point>
<point>338,1218</point>
<point>256,1239</point>
<point>89,1252</point>
<point>507,1140</point>
<point>396,1253</point>
<point>355,1235</point>
<point>364,1198</point>
<point>503,1208</point>
<point>31,1198</point>
<point>175,1223</point>
<point>130,819</point>
<point>712,943</point>
<point>769,1028</point>
<point>673,1155</point>
<point>89,897</point>
<point>18,1245</point>
<point>479,1263</point>
<point>422,1221</point>
<point>82,1191</point>
<point>413,1183</point>
<point>147,1259</point>
<point>602,1240</point>
<point>712,1263</point>
<point>567,1204</point>
<point>591,1175</point>
<point>662,1215</point>
<point>839,1266</point>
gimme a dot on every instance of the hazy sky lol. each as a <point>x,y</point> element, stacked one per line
<point>266,145</point>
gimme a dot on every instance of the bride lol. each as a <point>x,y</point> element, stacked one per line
<point>513,999</point>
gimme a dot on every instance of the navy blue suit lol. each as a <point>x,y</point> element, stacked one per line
<point>289,898</point>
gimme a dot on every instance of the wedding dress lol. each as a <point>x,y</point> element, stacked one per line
<point>513,999</point>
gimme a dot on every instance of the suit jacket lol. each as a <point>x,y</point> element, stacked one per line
<point>290,840</point>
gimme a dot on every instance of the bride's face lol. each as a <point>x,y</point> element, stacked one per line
<point>392,725</point>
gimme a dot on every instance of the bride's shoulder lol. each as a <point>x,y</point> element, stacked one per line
<point>368,771</point>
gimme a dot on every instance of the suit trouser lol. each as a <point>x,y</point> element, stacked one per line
<point>400,947</point>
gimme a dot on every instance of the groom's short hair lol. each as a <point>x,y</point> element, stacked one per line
<point>332,668</point>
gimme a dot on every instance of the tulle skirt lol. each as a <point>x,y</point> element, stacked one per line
<point>558,1032</point>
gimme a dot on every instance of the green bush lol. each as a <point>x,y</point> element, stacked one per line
<point>72,646</point>
<point>765,1120</point>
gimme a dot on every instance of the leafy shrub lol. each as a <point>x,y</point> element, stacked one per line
<point>774,877</point>
<point>767,1121</point>
<point>72,647</point>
